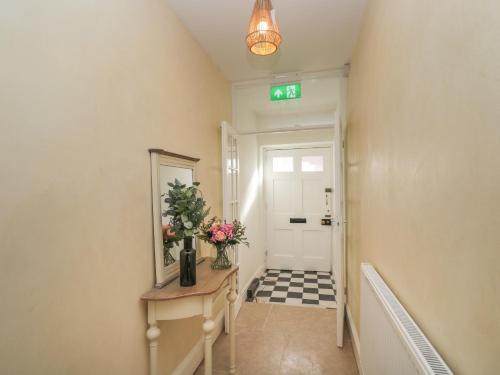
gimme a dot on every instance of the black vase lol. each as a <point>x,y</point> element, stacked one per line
<point>188,263</point>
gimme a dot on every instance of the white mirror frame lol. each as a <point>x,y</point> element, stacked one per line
<point>159,157</point>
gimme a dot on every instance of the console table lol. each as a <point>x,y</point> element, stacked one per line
<point>175,302</point>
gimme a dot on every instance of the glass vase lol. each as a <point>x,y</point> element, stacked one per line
<point>168,258</point>
<point>222,260</point>
<point>188,263</point>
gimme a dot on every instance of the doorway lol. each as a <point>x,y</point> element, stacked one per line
<point>298,216</point>
<point>299,287</point>
<point>298,185</point>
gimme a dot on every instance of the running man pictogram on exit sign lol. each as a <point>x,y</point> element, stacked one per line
<point>286,92</point>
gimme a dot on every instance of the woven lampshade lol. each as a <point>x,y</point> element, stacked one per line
<point>263,36</point>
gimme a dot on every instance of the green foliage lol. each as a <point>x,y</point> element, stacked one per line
<point>186,207</point>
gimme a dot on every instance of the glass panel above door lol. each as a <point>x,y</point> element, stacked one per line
<point>312,163</point>
<point>283,164</point>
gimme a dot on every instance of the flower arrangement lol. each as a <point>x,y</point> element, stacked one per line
<point>222,235</point>
<point>186,207</point>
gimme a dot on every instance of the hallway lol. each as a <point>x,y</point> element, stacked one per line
<point>335,163</point>
<point>275,339</point>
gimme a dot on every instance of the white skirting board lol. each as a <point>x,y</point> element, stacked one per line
<point>355,339</point>
<point>191,362</point>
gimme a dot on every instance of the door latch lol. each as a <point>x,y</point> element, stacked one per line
<point>326,221</point>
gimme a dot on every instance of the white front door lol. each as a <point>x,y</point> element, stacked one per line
<point>298,196</point>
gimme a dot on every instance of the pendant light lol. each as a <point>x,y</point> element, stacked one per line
<point>263,36</point>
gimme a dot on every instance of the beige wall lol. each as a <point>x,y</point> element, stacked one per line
<point>424,169</point>
<point>86,88</point>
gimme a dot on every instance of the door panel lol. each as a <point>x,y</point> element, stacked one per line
<point>296,180</point>
<point>283,195</point>
<point>312,199</point>
<point>315,243</point>
<point>282,242</point>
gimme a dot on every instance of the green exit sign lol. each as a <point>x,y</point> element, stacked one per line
<point>286,92</point>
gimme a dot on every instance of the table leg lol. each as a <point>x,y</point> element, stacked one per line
<point>152,334</point>
<point>208,327</point>
<point>231,297</point>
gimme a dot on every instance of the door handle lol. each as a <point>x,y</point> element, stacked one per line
<point>298,220</point>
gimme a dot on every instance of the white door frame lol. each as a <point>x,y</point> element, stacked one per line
<point>288,146</point>
<point>339,231</point>
<point>340,186</point>
<point>230,197</point>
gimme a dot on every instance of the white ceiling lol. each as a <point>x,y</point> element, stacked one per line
<point>317,34</point>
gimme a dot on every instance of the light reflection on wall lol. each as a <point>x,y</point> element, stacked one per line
<point>251,193</point>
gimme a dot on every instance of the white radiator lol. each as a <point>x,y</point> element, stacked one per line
<point>391,342</point>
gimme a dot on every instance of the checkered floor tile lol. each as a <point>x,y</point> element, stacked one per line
<point>309,288</point>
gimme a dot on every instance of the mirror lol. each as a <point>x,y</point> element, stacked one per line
<point>166,167</point>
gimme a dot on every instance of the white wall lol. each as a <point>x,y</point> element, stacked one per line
<point>307,136</point>
<point>252,258</point>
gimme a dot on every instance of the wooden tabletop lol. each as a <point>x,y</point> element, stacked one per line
<point>208,281</point>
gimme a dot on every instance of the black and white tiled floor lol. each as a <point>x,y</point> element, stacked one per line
<point>308,288</point>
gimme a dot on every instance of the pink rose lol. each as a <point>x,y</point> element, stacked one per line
<point>167,231</point>
<point>219,236</point>
<point>228,230</point>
